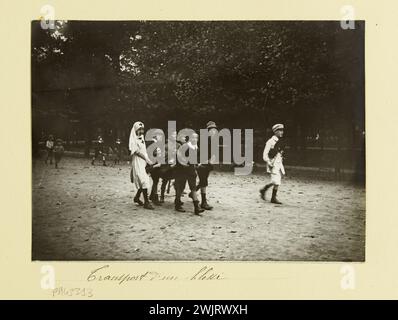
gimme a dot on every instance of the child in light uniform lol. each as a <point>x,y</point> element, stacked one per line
<point>273,156</point>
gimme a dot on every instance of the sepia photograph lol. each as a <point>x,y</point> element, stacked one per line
<point>198,140</point>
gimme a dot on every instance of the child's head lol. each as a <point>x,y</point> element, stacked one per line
<point>278,130</point>
<point>59,142</point>
<point>138,128</point>
<point>279,133</point>
<point>140,131</point>
<point>212,128</point>
<point>158,135</point>
<point>173,135</point>
<point>193,138</point>
<point>182,138</point>
<point>51,137</point>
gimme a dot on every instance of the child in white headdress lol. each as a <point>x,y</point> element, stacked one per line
<point>139,161</point>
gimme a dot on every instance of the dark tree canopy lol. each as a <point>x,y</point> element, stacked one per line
<point>247,74</point>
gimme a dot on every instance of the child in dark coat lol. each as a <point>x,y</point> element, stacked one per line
<point>186,172</point>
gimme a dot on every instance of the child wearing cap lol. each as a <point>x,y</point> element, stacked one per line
<point>273,156</point>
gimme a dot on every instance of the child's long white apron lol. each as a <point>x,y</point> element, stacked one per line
<point>140,177</point>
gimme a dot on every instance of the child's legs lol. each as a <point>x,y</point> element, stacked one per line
<point>192,187</point>
<point>57,158</point>
<point>50,155</point>
<point>203,174</point>
<point>155,180</point>
<point>267,186</point>
<point>180,182</point>
<point>163,186</point>
<point>138,194</point>
<point>276,179</point>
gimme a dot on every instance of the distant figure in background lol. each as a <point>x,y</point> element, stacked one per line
<point>139,160</point>
<point>50,149</point>
<point>58,151</point>
<point>273,156</point>
<point>118,151</point>
<point>99,151</point>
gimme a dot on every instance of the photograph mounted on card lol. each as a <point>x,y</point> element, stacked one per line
<point>198,140</point>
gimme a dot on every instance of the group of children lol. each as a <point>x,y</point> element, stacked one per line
<point>101,151</point>
<point>55,150</point>
<point>186,172</point>
<point>182,173</point>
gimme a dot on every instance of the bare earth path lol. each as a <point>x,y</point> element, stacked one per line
<point>84,212</point>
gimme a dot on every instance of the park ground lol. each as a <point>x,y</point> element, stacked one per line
<point>85,212</point>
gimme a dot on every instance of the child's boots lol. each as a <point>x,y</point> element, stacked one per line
<point>198,210</point>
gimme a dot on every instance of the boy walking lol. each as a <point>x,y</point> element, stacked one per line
<point>273,156</point>
<point>185,172</point>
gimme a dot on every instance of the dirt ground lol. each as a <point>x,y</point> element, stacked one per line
<point>84,212</point>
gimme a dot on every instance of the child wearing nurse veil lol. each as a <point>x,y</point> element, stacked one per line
<point>139,160</point>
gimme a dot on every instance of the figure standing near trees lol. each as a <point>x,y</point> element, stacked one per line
<point>58,152</point>
<point>99,151</point>
<point>50,149</point>
<point>118,151</point>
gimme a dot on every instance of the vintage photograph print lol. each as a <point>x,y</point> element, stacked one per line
<point>198,140</point>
